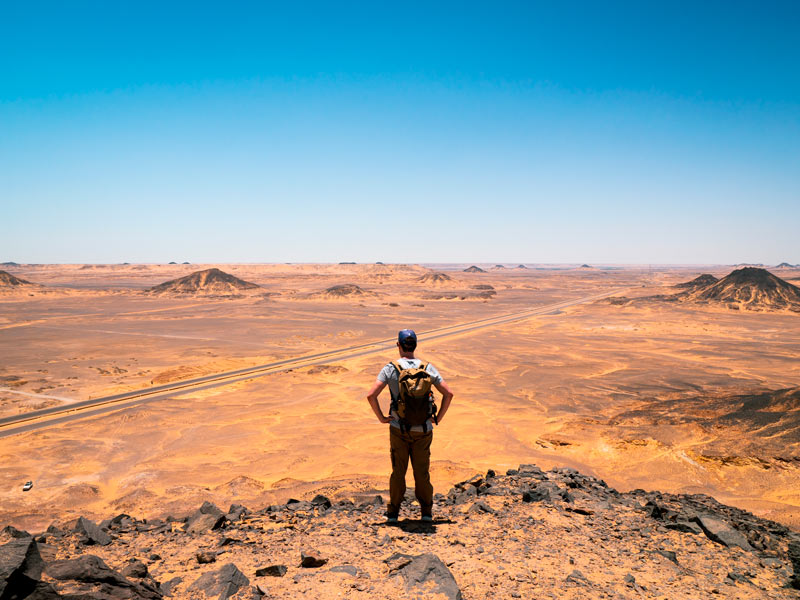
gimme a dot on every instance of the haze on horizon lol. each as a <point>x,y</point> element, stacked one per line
<point>518,132</point>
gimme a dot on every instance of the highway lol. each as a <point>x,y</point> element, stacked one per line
<point>55,415</point>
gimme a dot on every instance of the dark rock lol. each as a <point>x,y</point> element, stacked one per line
<point>222,583</point>
<point>154,557</point>
<point>14,532</point>
<point>236,512</point>
<point>54,531</point>
<point>272,571</point>
<point>168,586</point>
<point>669,554</point>
<point>397,561</point>
<point>21,568</point>
<point>206,557</point>
<point>425,568</point>
<point>121,519</point>
<point>91,533</point>
<point>87,568</point>
<point>721,532</point>
<point>530,471</point>
<point>203,522</point>
<point>136,569</point>
<point>629,580</point>
<point>794,558</point>
<point>310,559</point>
<point>209,508</point>
<point>321,501</point>
<point>739,577</point>
<point>577,577</point>
<point>511,472</point>
<point>684,526</point>
<point>480,507</point>
<point>490,474</point>
<point>468,494</point>
<point>295,506</point>
<point>92,571</point>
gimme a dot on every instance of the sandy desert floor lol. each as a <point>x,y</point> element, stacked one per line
<point>644,396</point>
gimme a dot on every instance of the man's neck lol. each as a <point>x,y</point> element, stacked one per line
<point>407,355</point>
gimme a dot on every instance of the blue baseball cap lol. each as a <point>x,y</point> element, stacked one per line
<point>407,337</point>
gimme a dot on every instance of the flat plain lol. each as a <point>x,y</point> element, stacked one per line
<point>680,397</point>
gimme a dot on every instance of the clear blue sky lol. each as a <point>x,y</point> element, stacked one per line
<point>663,132</point>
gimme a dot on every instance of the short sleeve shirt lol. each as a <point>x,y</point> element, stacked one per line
<point>388,375</point>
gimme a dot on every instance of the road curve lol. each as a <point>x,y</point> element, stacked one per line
<point>55,415</point>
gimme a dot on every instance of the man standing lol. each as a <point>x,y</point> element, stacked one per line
<point>409,441</point>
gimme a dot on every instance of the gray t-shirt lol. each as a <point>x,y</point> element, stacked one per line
<point>388,375</point>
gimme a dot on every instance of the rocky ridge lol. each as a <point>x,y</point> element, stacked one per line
<point>525,534</point>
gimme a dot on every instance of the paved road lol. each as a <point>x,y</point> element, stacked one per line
<point>55,415</point>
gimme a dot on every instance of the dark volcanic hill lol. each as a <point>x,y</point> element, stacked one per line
<point>209,282</point>
<point>343,291</point>
<point>436,278</point>
<point>698,282</point>
<point>474,269</point>
<point>786,265</point>
<point>750,288</point>
<point>7,280</point>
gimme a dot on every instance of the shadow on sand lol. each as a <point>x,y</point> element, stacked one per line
<point>417,526</point>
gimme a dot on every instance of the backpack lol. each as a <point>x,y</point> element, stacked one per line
<point>414,403</point>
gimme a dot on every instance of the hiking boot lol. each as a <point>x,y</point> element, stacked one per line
<point>391,518</point>
<point>427,519</point>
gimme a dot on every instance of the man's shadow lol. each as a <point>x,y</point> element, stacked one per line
<point>418,526</point>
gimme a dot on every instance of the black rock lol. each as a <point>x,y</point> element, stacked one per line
<point>320,500</point>
<point>206,557</point>
<point>136,569</point>
<point>794,558</point>
<point>721,532</point>
<point>87,568</point>
<point>235,512</point>
<point>92,571</point>
<point>21,568</point>
<point>310,559</point>
<point>426,568</point>
<point>167,587</point>
<point>91,533</point>
<point>480,507</point>
<point>669,554</point>
<point>14,532</point>
<point>684,526</point>
<point>272,571</point>
<point>222,583</point>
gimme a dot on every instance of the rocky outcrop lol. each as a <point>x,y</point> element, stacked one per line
<point>525,533</point>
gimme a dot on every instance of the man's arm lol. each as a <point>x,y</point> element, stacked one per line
<point>372,398</point>
<point>447,397</point>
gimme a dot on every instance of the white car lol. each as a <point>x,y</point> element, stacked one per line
<point>28,485</point>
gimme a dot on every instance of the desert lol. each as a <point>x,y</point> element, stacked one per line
<point>680,397</point>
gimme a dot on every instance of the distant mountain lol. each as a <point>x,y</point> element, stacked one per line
<point>698,282</point>
<point>342,291</point>
<point>786,265</point>
<point>474,269</point>
<point>9,281</point>
<point>435,278</point>
<point>10,263</point>
<point>521,266</point>
<point>209,282</point>
<point>749,288</point>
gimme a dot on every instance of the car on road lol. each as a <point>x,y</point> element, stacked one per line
<point>28,485</point>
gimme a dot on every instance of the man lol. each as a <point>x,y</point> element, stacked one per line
<point>408,442</point>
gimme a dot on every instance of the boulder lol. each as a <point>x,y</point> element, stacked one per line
<point>91,578</point>
<point>21,568</point>
<point>222,583</point>
<point>90,533</point>
<point>320,501</point>
<point>203,522</point>
<point>206,557</point>
<point>721,532</point>
<point>427,572</point>
<point>272,571</point>
<point>311,559</point>
<point>13,532</point>
<point>136,569</point>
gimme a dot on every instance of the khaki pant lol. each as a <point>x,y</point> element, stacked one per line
<point>416,446</point>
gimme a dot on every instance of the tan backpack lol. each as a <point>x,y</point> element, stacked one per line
<point>414,403</point>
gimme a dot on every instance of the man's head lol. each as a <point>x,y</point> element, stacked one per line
<point>407,340</point>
